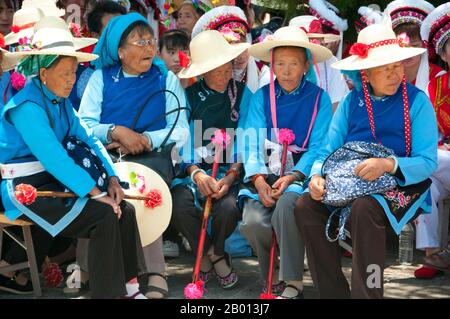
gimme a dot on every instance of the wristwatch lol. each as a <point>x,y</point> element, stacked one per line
<point>109,134</point>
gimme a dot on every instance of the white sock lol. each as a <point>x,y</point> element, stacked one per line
<point>133,289</point>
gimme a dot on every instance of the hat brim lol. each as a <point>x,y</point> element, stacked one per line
<point>152,222</point>
<point>12,38</point>
<point>197,68</point>
<point>262,50</point>
<point>81,56</point>
<point>8,61</point>
<point>380,57</point>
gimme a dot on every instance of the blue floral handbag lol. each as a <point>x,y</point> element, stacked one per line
<point>341,183</point>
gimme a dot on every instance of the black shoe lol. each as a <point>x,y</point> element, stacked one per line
<point>11,285</point>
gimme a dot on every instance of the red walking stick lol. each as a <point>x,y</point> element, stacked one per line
<point>195,289</point>
<point>285,137</point>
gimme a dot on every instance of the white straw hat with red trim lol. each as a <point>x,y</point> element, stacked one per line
<point>23,24</point>
<point>377,45</point>
<point>313,28</point>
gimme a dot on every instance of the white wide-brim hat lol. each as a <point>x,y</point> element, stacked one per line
<point>382,48</point>
<point>24,21</point>
<point>152,222</point>
<point>305,23</point>
<point>47,6</point>
<point>209,50</point>
<point>288,36</point>
<point>53,37</point>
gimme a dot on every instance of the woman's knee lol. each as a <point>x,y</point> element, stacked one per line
<point>366,208</point>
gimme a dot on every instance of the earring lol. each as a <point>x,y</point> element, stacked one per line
<point>45,82</point>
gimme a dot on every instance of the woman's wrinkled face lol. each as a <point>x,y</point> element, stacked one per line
<point>386,79</point>
<point>60,77</point>
<point>289,66</point>
<point>187,17</point>
<point>218,78</point>
<point>137,54</point>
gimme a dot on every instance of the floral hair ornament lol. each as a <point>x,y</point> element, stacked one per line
<point>185,61</point>
<point>403,40</point>
<point>230,35</point>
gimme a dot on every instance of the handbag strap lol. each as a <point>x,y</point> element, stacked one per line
<point>405,113</point>
<point>178,110</point>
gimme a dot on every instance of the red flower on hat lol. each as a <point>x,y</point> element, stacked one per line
<point>15,28</point>
<point>2,41</point>
<point>360,49</point>
<point>184,59</point>
<point>315,27</point>
<point>166,6</point>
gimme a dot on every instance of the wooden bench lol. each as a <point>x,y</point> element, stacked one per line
<point>26,244</point>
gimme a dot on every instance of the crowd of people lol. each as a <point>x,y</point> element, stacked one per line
<point>150,82</point>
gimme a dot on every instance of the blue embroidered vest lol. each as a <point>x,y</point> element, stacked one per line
<point>123,97</point>
<point>388,117</point>
<point>12,147</point>
<point>295,110</point>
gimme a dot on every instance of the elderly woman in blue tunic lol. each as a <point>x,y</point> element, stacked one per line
<point>217,101</point>
<point>384,109</point>
<point>303,107</point>
<point>129,110</point>
<point>40,137</point>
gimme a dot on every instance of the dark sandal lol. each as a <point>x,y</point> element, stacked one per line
<point>206,276</point>
<point>9,284</point>
<point>151,288</point>
<point>299,294</point>
<point>230,280</point>
<point>277,289</point>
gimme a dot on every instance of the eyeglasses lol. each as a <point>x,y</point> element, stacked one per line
<point>143,43</point>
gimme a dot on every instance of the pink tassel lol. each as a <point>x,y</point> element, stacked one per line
<point>194,290</point>
<point>286,135</point>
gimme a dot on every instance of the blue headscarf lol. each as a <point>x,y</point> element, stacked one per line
<point>108,45</point>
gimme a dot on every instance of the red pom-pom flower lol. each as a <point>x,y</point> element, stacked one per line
<point>360,49</point>
<point>194,290</point>
<point>221,138</point>
<point>2,41</point>
<point>53,275</point>
<point>25,194</point>
<point>154,199</point>
<point>315,27</point>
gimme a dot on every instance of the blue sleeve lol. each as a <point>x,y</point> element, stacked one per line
<point>80,130</point>
<point>253,137</point>
<point>335,136</point>
<point>424,134</point>
<point>32,124</point>
<point>180,134</point>
<point>243,115</point>
<point>318,134</point>
<point>91,106</point>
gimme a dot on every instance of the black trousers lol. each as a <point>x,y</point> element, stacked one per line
<point>368,224</point>
<point>187,218</point>
<point>113,246</point>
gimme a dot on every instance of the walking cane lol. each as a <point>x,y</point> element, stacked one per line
<point>285,137</point>
<point>195,289</point>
